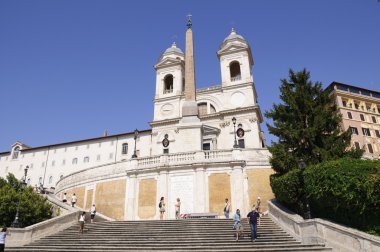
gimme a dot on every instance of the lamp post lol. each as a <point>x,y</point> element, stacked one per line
<point>302,166</point>
<point>235,142</point>
<point>16,223</point>
<point>135,137</point>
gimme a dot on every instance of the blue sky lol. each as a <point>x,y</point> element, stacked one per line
<point>71,69</point>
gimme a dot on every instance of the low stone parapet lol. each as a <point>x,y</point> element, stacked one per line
<point>22,236</point>
<point>319,231</point>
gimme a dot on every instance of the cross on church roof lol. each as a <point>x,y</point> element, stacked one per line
<point>189,24</point>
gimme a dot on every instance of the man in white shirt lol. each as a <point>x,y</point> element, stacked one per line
<point>73,200</point>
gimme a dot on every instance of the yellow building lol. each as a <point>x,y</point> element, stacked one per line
<point>360,109</point>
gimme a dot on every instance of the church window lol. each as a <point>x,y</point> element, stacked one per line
<point>168,84</point>
<point>86,159</point>
<point>98,158</point>
<point>241,143</point>
<point>52,163</point>
<point>235,71</point>
<point>64,162</point>
<point>75,161</point>
<point>16,152</point>
<point>212,109</point>
<point>166,151</point>
<point>124,149</point>
<point>202,109</point>
<point>206,146</point>
<point>40,181</point>
<point>50,179</point>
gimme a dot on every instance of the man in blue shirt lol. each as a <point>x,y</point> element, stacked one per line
<point>253,217</point>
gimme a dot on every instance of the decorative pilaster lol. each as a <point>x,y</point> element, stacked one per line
<point>200,199</point>
<point>130,207</point>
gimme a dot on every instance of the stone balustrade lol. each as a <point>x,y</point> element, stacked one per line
<point>147,164</point>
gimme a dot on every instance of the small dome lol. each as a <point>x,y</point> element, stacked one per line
<point>233,35</point>
<point>173,49</point>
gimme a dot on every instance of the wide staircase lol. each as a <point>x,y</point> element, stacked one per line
<point>173,235</point>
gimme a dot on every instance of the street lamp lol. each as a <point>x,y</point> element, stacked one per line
<point>135,137</point>
<point>302,166</point>
<point>235,142</point>
<point>16,223</point>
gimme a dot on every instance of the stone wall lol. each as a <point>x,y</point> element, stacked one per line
<point>147,204</point>
<point>219,189</point>
<point>110,198</point>
<point>259,186</point>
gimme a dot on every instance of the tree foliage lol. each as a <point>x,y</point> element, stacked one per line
<point>33,207</point>
<point>346,191</point>
<point>307,125</point>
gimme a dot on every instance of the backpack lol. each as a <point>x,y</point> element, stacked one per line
<point>160,204</point>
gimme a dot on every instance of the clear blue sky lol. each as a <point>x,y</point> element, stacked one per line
<point>71,69</point>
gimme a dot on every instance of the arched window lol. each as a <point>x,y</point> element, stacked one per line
<point>235,71</point>
<point>61,177</point>
<point>40,180</point>
<point>50,179</point>
<point>212,109</point>
<point>16,152</point>
<point>202,109</point>
<point>86,159</point>
<point>75,161</point>
<point>124,149</point>
<point>168,84</point>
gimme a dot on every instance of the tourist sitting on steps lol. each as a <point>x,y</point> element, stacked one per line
<point>237,225</point>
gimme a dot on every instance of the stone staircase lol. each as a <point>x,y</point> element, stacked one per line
<point>174,235</point>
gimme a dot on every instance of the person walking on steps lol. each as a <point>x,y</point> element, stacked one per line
<point>3,235</point>
<point>82,219</point>
<point>93,212</point>
<point>161,206</point>
<point>226,209</point>
<point>73,200</point>
<point>178,209</point>
<point>253,217</point>
<point>64,200</point>
<point>237,224</point>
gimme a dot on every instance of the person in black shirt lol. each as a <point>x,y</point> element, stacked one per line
<point>253,217</point>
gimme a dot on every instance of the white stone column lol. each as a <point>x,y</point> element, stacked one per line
<point>131,197</point>
<point>200,191</point>
<point>237,189</point>
<point>162,187</point>
<point>247,207</point>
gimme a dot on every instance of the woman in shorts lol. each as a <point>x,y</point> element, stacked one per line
<point>237,224</point>
<point>161,206</point>
<point>82,218</point>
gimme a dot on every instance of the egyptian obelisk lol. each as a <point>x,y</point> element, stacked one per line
<point>189,107</point>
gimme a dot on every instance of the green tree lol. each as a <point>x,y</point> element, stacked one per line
<point>33,207</point>
<point>307,124</point>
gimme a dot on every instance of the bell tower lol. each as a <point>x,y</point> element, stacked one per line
<point>170,81</point>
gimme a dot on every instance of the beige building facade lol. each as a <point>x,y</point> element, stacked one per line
<point>360,110</point>
<point>204,145</point>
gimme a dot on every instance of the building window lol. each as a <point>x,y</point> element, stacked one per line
<point>40,181</point>
<point>344,103</point>
<point>52,163</point>
<point>235,71</point>
<point>64,162</point>
<point>98,158</point>
<point>86,159</point>
<point>241,143</point>
<point>357,145</point>
<point>202,109</point>
<point>75,161</point>
<point>16,152</point>
<point>124,149</point>
<point>356,105</point>
<point>373,119</point>
<point>50,179</point>
<point>377,133</point>
<point>366,132</point>
<point>110,156</point>
<point>362,117</point>
<point>60,177</point>
<point>166,151</point>
<point>354,130</point>
<point>349,115</point>
<point>168,84</point>
<point>370,150</point>
<point>206,146</point>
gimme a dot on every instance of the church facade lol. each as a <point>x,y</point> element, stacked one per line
<point>204,145</point>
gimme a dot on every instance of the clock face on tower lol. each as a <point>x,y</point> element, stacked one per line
<point>167,109</point>
<point>165,141</point>
<point>240,132</point>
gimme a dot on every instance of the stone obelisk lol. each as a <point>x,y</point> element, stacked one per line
<point>189,107</point>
